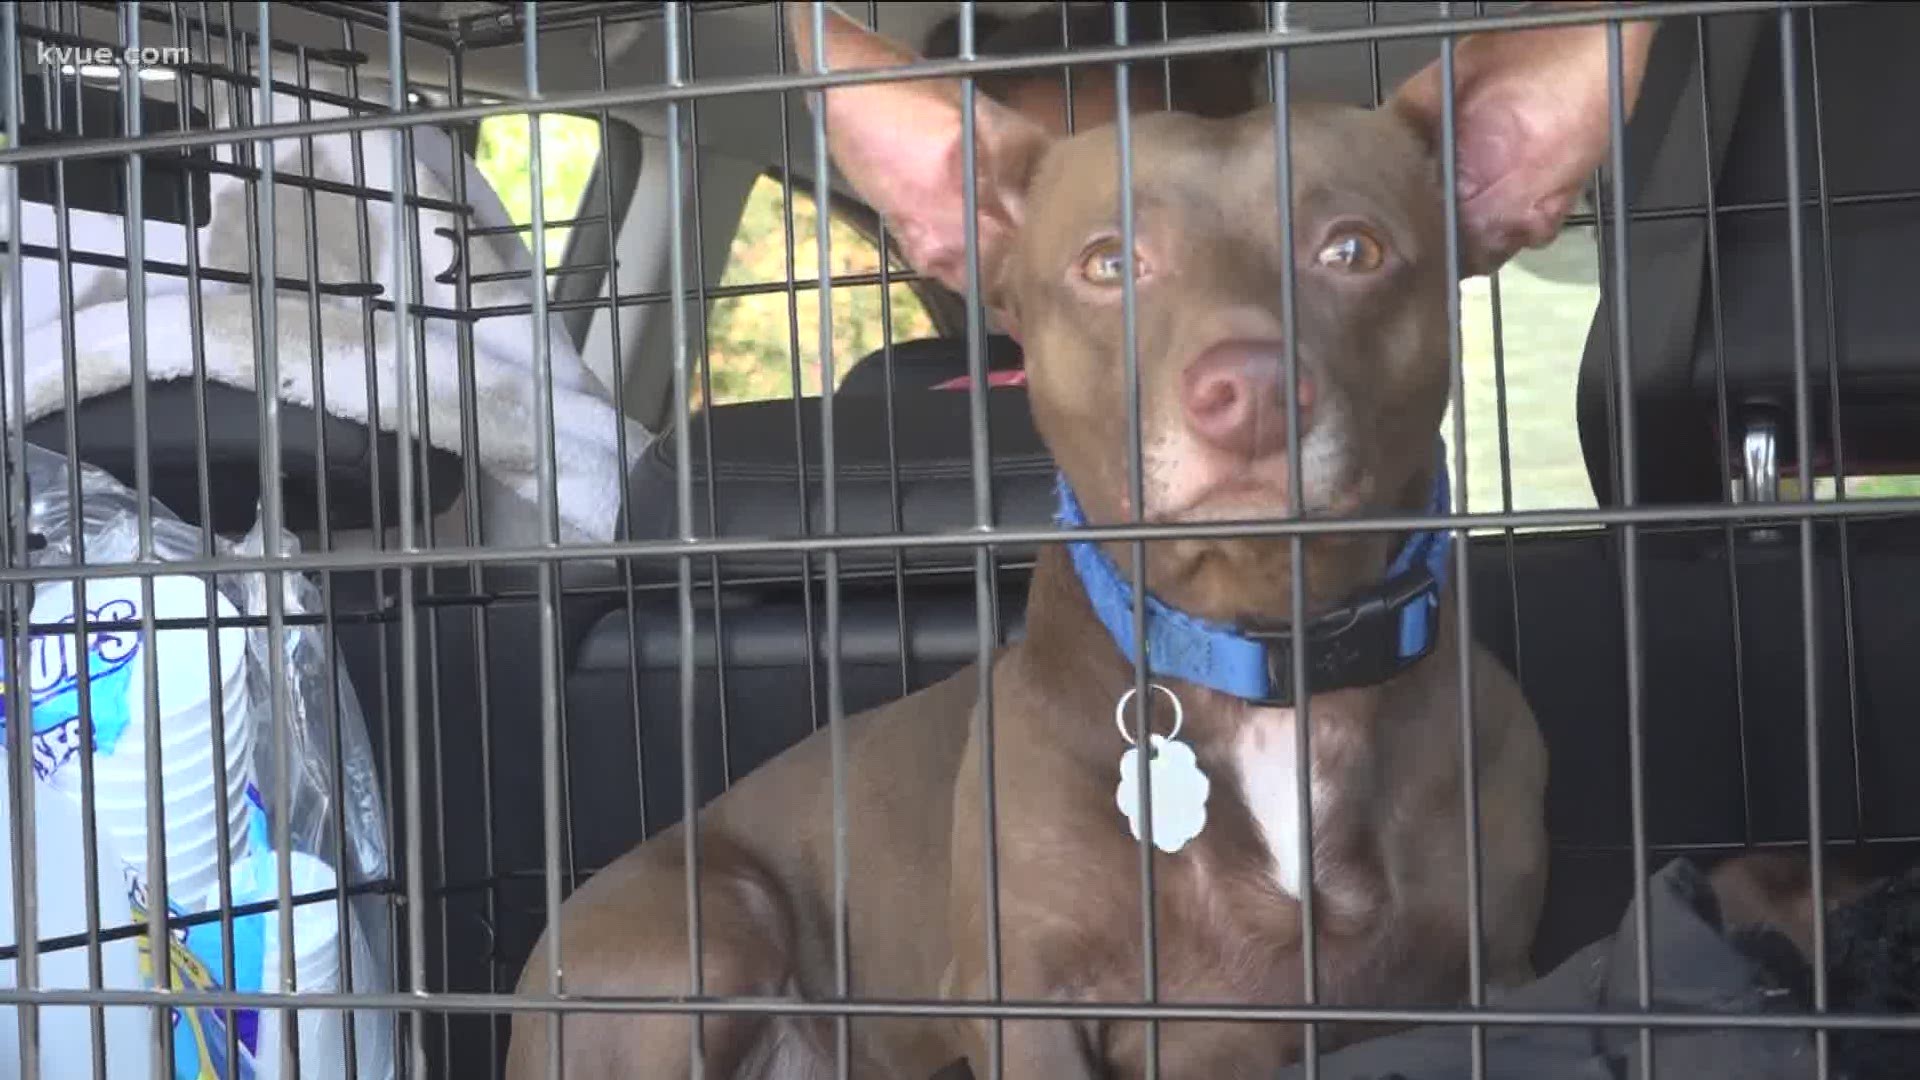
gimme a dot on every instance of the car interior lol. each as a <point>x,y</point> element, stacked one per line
<point>1697,354</point>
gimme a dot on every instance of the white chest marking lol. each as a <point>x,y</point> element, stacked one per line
<point>1269,777</point>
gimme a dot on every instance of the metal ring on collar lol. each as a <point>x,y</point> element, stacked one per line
<point>1120,712</point>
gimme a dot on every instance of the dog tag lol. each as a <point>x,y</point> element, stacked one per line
<point>1179,792</point>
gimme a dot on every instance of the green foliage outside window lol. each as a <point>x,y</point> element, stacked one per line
<point>750,338</point>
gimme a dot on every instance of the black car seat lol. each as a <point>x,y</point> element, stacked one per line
<point>1712,391</point>
<point>772,605</point>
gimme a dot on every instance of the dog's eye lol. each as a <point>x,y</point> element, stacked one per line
<point>1105,264</point>
<point>1354,251</point>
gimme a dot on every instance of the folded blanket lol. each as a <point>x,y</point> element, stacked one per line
<point>589,471</point>
<point>1873,967</point>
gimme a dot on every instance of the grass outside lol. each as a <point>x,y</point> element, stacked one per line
<point>750,338</point>
<point>1543,324</point>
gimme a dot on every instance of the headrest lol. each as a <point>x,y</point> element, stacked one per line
<point>928,364</point>
<point>759,488</point>
<point>1688,343</point>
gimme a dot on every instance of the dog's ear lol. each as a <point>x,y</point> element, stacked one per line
<point>899,145</point>
<point>1531,122</point>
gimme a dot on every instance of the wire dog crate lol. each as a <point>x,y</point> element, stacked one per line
<point>601,514</point>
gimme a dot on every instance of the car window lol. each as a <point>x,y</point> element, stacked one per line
<point>1547,302</point>
<point>750,338</point>
<point>569,152</point>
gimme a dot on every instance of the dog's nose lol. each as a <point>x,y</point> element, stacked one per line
<point>1235,400</point>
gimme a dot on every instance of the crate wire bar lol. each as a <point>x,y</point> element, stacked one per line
<point>427,587</point>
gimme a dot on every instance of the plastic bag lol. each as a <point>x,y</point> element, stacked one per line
<point>331,779</point>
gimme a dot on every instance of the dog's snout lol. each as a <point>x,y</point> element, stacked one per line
<point>1234,397</point>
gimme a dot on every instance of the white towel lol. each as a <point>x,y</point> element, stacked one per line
<point>589,471</point>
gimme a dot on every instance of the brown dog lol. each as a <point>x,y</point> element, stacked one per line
<point>1388,830</point>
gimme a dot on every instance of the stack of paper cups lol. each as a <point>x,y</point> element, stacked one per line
<point>189,779</point>
<point>317,942</point>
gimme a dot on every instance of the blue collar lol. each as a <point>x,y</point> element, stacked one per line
<point>1375,636</point>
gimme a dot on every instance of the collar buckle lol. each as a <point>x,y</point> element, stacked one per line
<point>1362,643</point>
